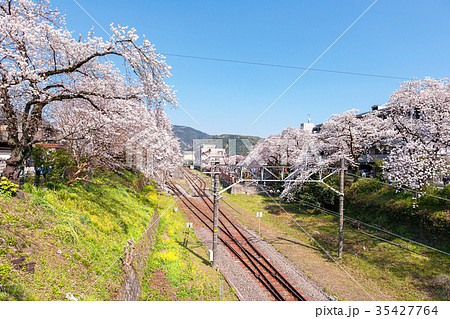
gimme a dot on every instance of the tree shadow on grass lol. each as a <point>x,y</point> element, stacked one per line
<point>273,208</point>
<point>279,240</point>
<point>385,262</point>
<point>202,259</point>
<point>439,287</point>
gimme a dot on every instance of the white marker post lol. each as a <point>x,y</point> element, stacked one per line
<point>211,255</point>
<point>189,226</point>
<point>259,215</point>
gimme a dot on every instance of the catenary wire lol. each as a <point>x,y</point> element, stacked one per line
<point>253,62</point>
<point>317,243</point>
<point>382,230</point>
<point>223,200</point>
<point>312,64</point>
<point>330,212</point>
<point>286,66</point>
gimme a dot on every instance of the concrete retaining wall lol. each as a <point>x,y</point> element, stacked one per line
<point>242,189</point>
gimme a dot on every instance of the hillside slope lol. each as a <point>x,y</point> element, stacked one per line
<point>242,148</point>
<point>70,240</point>
<point>67,237</point>
<point>186,135</point>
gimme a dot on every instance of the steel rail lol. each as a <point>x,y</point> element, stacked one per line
<point>237,229</point>
<point>272,271</point>
<point>260,276</point>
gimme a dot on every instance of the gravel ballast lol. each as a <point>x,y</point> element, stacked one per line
<point>246,286</point>
<point>306,286</point>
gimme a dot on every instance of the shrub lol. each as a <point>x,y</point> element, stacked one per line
<point>29,188</point>
<point>7,187</point>
<point>318,194</point>
<point>5,270</point>
<point>55,161</point>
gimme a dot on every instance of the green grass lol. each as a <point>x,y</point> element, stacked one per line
<point>396,272</point>
<point>179,264</point>
<point>89,224</point>
<point>425,219</point>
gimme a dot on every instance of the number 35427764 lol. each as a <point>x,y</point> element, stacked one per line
<point>406,310</point>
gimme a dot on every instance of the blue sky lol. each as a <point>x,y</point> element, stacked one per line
<point>403,38</point>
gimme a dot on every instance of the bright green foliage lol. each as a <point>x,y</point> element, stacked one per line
<point>318,194</point>
<point>88,223</point>
<point>189,276</point>
<point>7,187</point>
<point>57,159</point>
<point>414,274</point>
<point>7,289</point>
<point>5,270</point>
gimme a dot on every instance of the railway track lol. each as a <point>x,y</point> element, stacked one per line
<point>275,283</point>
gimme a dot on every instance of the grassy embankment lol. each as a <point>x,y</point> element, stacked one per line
<point>179,268</point>
<point>73,234</point>
<point>384,270</point>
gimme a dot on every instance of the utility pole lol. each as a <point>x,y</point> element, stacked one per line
<point>216,221</point>
<point>341,209</point>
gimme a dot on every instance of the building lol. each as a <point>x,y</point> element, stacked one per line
<point>308,127</point>
<point>188,158</point>
<point>46,132</point>
<point>208,155</point>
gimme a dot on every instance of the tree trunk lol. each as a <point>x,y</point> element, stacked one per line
<point>20,140</point>
<point>15,164</point>
<point>75,177</point>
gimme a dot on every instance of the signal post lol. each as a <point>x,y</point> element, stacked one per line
<point>215,263</point>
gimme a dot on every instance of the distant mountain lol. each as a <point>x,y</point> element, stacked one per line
<point>187,134</point>
<point>244,144</point>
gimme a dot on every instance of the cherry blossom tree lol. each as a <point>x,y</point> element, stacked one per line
<point>420,114</point>
<point>41,63</point>
<point>412,129</point>
<point>295,148</point>
<point>119,134</point>
<point>344,136</point>
<point>93,137</point>
<point>154,150</point>
<point>349,135</point>
<point>280,149</point>
<point>234,159</point>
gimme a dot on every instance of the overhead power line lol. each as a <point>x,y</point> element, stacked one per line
<point>316,242</point>
<point>255,63</point>
<point>330,212</point>
<point>285,66</point>
<point>311,66</point>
